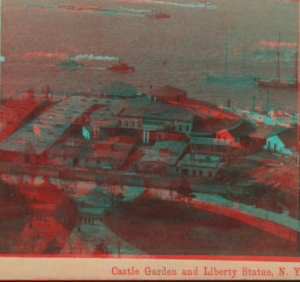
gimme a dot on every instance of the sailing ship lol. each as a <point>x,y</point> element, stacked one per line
<point>291,82</point>
<point>228,78</point>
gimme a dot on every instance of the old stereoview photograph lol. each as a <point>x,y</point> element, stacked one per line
<point>150,128</point>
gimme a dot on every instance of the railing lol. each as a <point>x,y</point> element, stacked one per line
<point>210,141</point>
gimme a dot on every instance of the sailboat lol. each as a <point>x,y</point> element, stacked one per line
<point>226,77</point>
<point>291,82</point>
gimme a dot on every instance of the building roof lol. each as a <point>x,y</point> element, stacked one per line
<point>154,114</point>
<point>167,152</point>
<point>70,147</point>
<point>117,147</point>
<point>171,112</point>
<point>188,161</point>
<point>133,107</point>
<point>213,124</point>
<point>118,87</point>
<point>167,92</point>
<point>102,117</point>
<point>289,137</point>
<point>242,130</point>
<point>266,132</point>
<point>51,124</point>
<point>64,151</point>
<point>15,110</point>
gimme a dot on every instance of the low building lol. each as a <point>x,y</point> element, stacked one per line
<point>238,133</point>
<point>103,124</point>
<point>16,112</point>
<point>66,155</point>
<point>118,89</point>
<point>111,153</point>
<point>151,121</point>
<point>232,140</point>
<point>51,126</point>
<point>162,157</point>
<point>199,165</point>
<point>275,139</point>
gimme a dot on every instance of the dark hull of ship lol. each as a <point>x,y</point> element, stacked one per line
<point>232,79</point>
<point>158,17</point>
<point>277,84</point>
<point>121,69</point>
<point>70,67</point>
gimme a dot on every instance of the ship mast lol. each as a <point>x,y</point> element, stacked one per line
<point>226,53</point>
<point>297,61</point>
<point>296,66</point>
<point>278,58</point>
<point>268,101</point>
<point>244,58</point>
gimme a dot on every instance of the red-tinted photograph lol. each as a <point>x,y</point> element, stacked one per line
<point>149,128</point>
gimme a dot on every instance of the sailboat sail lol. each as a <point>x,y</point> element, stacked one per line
<point>226,77</point>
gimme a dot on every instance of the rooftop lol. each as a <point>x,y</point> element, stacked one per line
<point>266,131</point>
<point>199,162</point>
<point>15,110</point>
<point>167,112</point>
<point>119,88</point>
<point>167,152</point>
<point>213,124</point>
<point>289,136</point>
<point>243,129</point>
<point>167,92</point>
<point>103,118</point>
<point>51,124</point>
<point>116,147</point>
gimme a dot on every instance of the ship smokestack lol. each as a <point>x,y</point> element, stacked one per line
<point>229,103</point>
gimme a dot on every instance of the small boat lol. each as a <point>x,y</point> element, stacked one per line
<point>158,15</point>
<point>70,64</point>
<point>291,82</point>
<point>121,67</point>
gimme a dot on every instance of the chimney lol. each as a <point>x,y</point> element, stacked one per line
<point>228,103</point>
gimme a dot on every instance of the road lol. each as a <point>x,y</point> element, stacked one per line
<point>109,176</point>
<point>278,224</point>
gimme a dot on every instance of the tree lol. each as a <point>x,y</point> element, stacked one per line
<point>184,188</point>
<point>112,184</point>
<point>31,159</point>
<point>101,248</point>
<point>52,247</point>
<point>67,213</point>
<point>46,91</point>
<point>30,92</point>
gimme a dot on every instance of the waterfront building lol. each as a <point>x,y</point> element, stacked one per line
<point>118,89</point>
